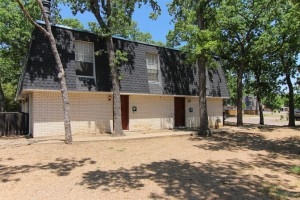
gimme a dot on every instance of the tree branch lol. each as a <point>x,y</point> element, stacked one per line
<point>30,19</point>
<point>46,19</point>
<point>108,12</point>
<point>94,6</point>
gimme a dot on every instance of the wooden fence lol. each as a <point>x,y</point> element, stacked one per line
<point>14,123</point>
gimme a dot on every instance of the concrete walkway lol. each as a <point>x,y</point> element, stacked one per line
<point>129,135</point>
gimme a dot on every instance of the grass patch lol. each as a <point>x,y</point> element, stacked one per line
<point>296,170</point>
<point>274,191</point>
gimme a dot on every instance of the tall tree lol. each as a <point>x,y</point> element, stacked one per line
<point>15,32</point>
<point>287,37</point>
<point>241,22</point>
<point>273,51</point>
<point>195,27</point>
<point>273,101</point>
<point>262,80</point>
<point>45,10</point>
<point>112,17</point>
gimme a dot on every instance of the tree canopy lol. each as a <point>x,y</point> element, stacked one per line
<point>44,7</point>
<point>195,29</point>
<point>112,17</point>
<point>15,33</point>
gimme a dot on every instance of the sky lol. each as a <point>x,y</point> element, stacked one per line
<point>158,28</point>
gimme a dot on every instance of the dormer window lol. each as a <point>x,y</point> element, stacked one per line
<point>152,67</point>
<point>84,57</point>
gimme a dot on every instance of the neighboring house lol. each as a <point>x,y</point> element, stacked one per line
<point>158,89</point>
<point>284,109</point>
<point>251,104</point>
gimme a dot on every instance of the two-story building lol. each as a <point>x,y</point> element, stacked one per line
<point>159,90</point>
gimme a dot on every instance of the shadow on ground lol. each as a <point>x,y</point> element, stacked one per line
<point>288,147</point>
<point>263,128</point>
<point>60,167</point>
<point>214,180</point>
<point>183,180</point>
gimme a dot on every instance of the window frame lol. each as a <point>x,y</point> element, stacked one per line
<point>93,58</point>
<point>158,67</point>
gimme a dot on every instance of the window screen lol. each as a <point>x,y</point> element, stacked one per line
<point>152,67</point>
<point>84,57</point>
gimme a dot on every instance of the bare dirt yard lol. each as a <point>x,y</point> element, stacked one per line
<point>236,163</point>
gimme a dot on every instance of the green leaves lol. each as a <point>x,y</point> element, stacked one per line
<point>120,57</point>
<point>197,41</point>
<point>73,23</point>
<point>15,33</point>
<point>132,32</point>
<point>112,16</point>
<point>264,37</point>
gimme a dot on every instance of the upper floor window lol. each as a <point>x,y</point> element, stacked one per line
<point>84,57</point>
<point>152,67</point>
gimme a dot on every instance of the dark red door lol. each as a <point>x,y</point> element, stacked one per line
<point>179,111</point>
<point>125,111</point>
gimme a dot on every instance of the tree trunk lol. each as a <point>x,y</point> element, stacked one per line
<point>117,119</point>
<point>286,68</point>
<point>63,89</point>
<point>61,77</point>
<point>61,74</point>
<point>239,96</point>
<point>203,128</point>
<point>261,114</point>
<point>2,99</point>
<point>291,100</point>
<point>260,107</point>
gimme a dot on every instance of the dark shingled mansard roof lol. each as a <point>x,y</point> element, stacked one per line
<point>177,77</point>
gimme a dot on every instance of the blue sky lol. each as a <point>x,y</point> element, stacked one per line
<point>158,28</point>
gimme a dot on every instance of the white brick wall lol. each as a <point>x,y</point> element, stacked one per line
<point>214,111</point>
<point>192,118</point>
<point>90,113</point>
<point>153,112</point>
<point>47,115</point>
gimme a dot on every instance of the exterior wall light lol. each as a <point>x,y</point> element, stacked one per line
<point>134,108</point>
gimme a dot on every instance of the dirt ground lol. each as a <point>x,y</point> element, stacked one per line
<point>277,119</point>
<point>238,163</point>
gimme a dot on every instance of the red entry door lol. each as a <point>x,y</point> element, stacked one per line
<point>179,111</point>
<point>125,111</point>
